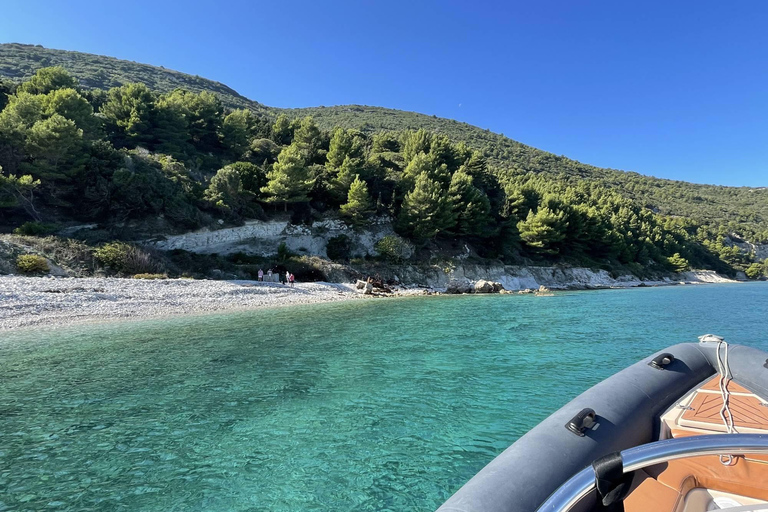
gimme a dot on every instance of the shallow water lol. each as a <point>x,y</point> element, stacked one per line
<point>365,405</point>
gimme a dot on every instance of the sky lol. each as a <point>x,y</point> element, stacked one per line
<point>673,89</point>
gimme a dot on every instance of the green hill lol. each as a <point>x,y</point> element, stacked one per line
<point>164,151</point>
<point>19,62</point>
<point>739,209</point>
<point>745,209</point>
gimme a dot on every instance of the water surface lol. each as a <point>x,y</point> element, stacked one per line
<point>366,405</point>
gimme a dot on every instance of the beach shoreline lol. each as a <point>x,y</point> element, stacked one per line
<point>34,302</point>
<point>51,302</point>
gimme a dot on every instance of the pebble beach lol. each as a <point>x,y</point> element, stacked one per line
<point>48,301</point>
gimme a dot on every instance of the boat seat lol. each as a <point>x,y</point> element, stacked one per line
<point>647,493</point>
<point>664,487</point>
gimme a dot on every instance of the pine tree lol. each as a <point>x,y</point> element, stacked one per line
<point>236,132</point>
<point>289,181</point>
<point>19,192</point>
<point>358,205</point>
<point>226,190</point>
<point>344,143</point>
<point>340,183</point>
<point>414,143</point>
<point>55,145</point>
<point>128,115</point>
<point>70,104</point>
<point>49,79</point>
<point>423,163</point>
<point>310,139</point>
<point>282,133</point>
<point>543,230</point>
<point>426,211</point>
<point>678,263</point>
<point>470,206</point>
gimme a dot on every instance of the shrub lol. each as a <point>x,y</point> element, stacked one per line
<point>305,268</point>
<point>678,263</point>
<point>283,253</point>
<point>32,264</point>
<point>150,276</point>
<point>127,259</point>
<point>34,229</point>
<point>339,248</point>
<point>756,270</point>
<point>393,248</point>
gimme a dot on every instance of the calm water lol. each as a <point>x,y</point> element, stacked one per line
<point>370,405</point>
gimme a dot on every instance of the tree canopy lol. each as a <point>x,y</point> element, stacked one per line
<point>183,155</point>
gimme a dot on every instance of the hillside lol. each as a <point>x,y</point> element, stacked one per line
<point>738,209</point>
<point>163,153</point>
<point>19,62</point>
<point>746,208</point>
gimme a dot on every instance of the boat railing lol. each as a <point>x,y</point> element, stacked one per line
<point>638,457</point>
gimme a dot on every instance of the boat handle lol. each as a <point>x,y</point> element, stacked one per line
<point>638,457</point>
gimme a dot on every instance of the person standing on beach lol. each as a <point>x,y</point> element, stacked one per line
<point>261,275</point>
<point>291,279</point>
<point>287,277</point>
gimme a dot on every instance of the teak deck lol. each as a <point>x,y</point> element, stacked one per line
<point>690,485</point>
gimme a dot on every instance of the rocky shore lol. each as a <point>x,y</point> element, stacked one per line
<point>51,301</point>
<point>35,301</point>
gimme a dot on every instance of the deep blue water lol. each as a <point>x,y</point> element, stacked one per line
<point>367,405</point>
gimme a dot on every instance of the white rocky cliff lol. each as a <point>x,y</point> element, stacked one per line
<point>263,237</point>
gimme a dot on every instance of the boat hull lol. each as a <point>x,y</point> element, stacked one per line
<point>627,405</point>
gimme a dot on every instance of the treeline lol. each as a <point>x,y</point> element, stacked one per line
<point>130,153</point>
<point>741,210</point>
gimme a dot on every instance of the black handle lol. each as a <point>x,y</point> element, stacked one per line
<point>581,422</point>
<point>661,361</point>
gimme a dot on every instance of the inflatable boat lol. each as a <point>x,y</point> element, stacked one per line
<point>684,430</point>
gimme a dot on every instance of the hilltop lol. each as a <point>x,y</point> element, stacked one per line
<point>19,62</point>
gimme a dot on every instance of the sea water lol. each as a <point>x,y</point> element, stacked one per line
<point>388,404</point>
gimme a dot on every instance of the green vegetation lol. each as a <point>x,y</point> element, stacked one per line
<point>21,61</point>
<point>150,276</point>
<point>35,229</point>
<point>32,264</point>
<point>394,249</point>
<point>127,259</point>
<point>149,152</point>
<point>339,248</point>
<point>678,263</point>
<point>358,205</point>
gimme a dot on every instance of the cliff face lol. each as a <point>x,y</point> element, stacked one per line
<point>513,277</point>
<point>263,237</point>
<point>759,250</point>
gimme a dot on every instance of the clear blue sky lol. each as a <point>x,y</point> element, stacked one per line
<point>675,89</point>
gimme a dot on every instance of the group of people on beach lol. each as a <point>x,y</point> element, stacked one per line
<point>285,278</point>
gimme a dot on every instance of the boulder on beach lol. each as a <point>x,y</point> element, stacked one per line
<point>543,289</point>
<point>483,286</point>
<point>456,286</point>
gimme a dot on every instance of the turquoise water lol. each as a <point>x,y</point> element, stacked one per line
<point>367,405</point>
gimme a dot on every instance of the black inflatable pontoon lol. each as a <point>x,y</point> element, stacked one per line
<point>619,413</point>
